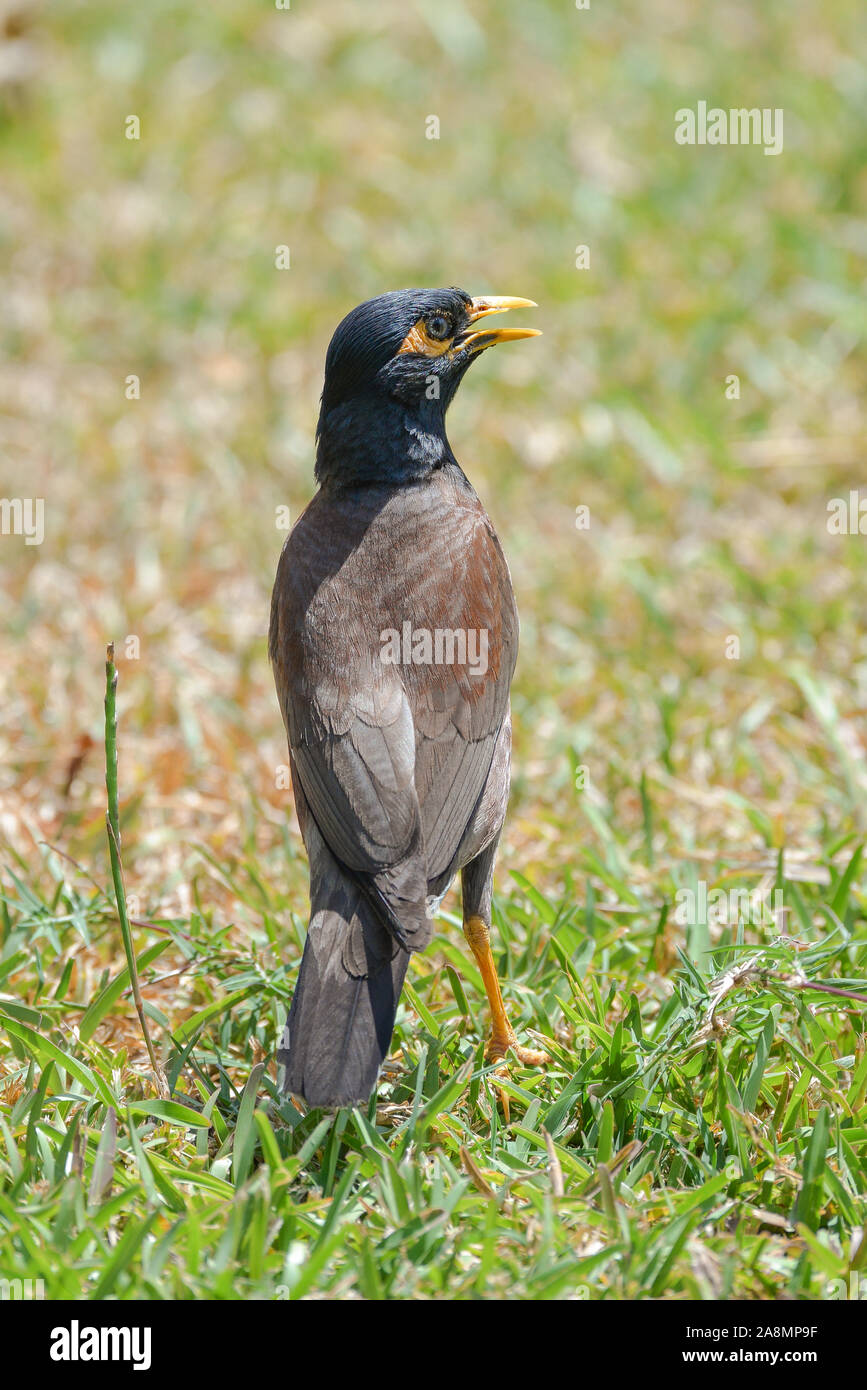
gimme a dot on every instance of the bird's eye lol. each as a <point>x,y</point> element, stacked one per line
<point>438,327</point>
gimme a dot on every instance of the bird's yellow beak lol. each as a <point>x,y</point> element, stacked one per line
<point>483,307</point>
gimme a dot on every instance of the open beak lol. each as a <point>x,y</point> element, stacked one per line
<point>483,308</point>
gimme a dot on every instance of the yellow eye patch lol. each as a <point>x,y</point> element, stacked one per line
<point>419,340</point>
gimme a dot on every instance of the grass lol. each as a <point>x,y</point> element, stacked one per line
<point>701,1131</point>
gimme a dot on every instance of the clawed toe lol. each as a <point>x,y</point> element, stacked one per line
<point>497,1051</point>
<point>528,1057</point>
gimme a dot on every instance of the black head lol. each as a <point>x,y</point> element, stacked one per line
<point>392,369</point>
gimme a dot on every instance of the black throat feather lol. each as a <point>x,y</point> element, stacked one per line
<point>380,440</point>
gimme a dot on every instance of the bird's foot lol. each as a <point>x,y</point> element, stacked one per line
<point>497,1050</point>
<point>500,1045</point>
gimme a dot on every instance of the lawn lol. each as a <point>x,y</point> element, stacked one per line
<point>681,913</point>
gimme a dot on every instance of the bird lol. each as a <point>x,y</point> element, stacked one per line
<point>393,639</point>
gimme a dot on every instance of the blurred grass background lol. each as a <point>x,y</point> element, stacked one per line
<point>155,258</point>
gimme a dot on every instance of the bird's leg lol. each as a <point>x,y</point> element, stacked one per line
<point>502,1037</point>
<point>476,884</point>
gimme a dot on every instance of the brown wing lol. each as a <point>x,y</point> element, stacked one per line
<point>393,758</point>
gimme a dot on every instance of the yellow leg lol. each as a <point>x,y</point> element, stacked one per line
<point>502,1037</point>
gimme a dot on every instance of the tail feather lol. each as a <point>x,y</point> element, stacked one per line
<point>342,1015</point>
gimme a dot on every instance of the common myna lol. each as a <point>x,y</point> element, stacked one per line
<point>393,640</point>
